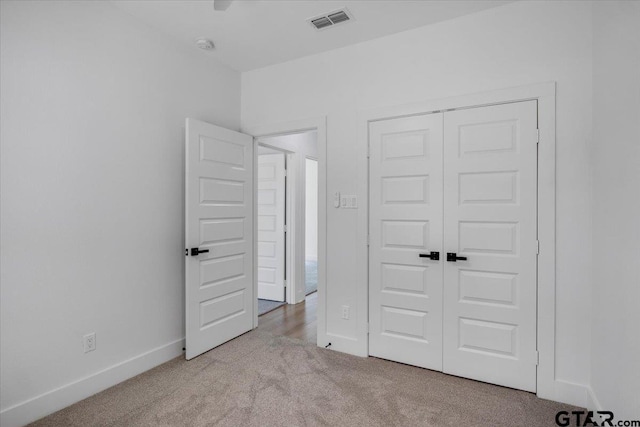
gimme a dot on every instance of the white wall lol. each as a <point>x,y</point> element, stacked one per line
<point>299,146</point>
<point>311,210</point>
<point>93,109</point>
<point>615,366</point>
<point>517,44</point>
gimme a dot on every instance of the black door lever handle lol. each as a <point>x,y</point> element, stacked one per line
<point>453,257</point>
<point>198,251</point>
<point>432,255</point>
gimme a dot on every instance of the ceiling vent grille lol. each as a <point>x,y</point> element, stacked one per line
<point>331,19</point>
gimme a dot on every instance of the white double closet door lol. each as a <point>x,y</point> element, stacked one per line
<point>461,182</point>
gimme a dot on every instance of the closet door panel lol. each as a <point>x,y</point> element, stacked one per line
<point>405,290</point>
<point>490,193</point>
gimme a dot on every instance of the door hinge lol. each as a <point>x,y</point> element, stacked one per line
<point>285,172</point>
<point>368,327</point>
<point>368,151</point>
<point>537,358</point>
<point>537,247</point>
<point>368,239</point>
<point>286,228</point>
<point>537,136</point>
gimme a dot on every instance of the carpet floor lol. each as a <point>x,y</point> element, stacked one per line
<point>265,306</point>
<point>259,379</point>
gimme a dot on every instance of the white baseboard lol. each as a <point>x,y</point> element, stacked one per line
<point>593,404</point>
<point>54,400</point>
<point>571,393</point>
<point>566,392</point>
<point>343,344</point>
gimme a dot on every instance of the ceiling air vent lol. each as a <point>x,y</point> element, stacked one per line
<point>338,17</point>
<point>331,19</point>
<point>321,22</point>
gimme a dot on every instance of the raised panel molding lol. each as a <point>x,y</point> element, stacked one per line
<point>474,141</point>
<point>266,223</point>
<point>405,189</point>
<point>409,324</point>
<point>266,249</point>
<point>484,287</point>
<point>488,237</point>
<point>405,145</point>
<point>408,234</point>
<point>267,197</point>
<point>488,187</point>
<point>488,337</point>
<point>214,231</point>
<point>404,278</point>
<point>219,309</point>
<point>217,270</point>
<point>221,192</point>
<point>217,151</point>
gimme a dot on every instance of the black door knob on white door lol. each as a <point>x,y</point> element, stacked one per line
<point>435,256</point>
<point>198,251</point>
<point>453,257</point>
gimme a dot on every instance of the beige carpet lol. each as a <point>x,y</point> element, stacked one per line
<point>262,380</point>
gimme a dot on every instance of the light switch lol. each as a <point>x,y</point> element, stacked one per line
<point>348,201</point>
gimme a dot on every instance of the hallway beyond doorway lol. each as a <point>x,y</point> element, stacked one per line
<point>311,276</point>
<point>293,320</point>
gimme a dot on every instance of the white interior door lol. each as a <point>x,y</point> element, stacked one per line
<point>219,225</point>
<point>405,289</point>
<point>490,159</point>
<point>271,222</point>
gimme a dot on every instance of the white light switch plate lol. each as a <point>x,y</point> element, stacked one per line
<point>346,201</point>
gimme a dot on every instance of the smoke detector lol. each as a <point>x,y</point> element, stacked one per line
<point>331,19</point>
<point>205,44</point>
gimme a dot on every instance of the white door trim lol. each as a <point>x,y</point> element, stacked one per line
<point>545,93</point>
<point>318,124</point>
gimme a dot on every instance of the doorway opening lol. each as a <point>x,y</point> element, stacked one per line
<point>221,230</point>
<point>287,233</point>
<point>272,210</point>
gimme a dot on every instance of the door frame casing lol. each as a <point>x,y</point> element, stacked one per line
<point>545,94</point>
<point>318,124</point>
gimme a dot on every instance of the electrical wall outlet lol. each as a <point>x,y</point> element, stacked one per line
<point>345,312</point>
<point>89,342</point>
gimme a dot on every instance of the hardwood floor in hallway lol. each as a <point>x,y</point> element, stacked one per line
<point>294,321</point>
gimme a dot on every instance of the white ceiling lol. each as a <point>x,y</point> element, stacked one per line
<point>255,33</point>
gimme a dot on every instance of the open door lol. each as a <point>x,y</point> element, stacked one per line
<point>219,236</point>
<point>271,223</point>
